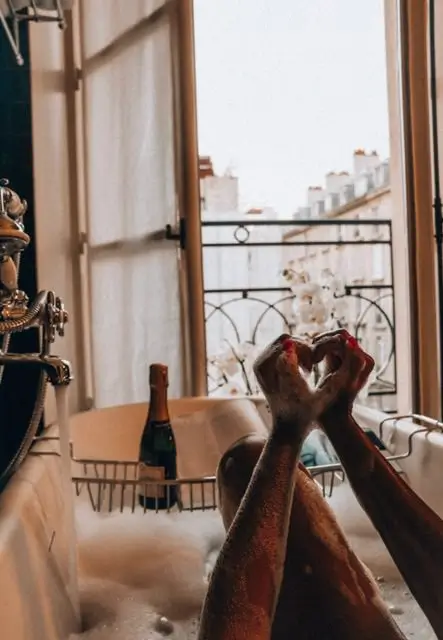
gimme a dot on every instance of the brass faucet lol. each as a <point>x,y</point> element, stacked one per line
<point>46,312</point>
<point>58,370</point>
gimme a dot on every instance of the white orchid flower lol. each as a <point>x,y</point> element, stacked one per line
<point>226,363</point>
<point>307,290</point>
<point>233,369</point>
<point>310,329</point>
<point>332,283</point>
<point>247,351</point>
<point>337,287</point>
<point>302,309</point>
<point>321,312</point>
<point>317,306</point>
<point>294,277</point>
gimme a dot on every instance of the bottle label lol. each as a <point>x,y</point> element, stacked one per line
<point>155,474</point>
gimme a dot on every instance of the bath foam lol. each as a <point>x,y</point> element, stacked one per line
<point>111,612</point>
<point>159,563</point>
<point>135,567</point>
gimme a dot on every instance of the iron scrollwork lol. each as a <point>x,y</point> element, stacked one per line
<point>370,315</point>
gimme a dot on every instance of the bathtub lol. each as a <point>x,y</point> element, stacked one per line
<point>423,468</point>
<point>34,542</point>
<point>34,548</point>
<point>34,602</point>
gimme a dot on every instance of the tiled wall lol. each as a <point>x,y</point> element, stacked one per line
<point>18,388</point>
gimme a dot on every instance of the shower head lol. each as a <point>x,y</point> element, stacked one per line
<point>13,238</point>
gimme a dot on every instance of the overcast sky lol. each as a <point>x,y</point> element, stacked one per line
<point>287,89</point>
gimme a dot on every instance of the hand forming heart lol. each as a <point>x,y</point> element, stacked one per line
<point>279,372</point>
<point>341,352</point>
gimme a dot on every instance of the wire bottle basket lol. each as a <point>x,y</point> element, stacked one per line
<point>113,485</point>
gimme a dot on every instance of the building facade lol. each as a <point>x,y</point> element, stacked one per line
<point>236,271</point>
<point>359,253</point>
<point>343,228</point>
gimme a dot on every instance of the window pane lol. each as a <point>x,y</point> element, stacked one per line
<point>129,144</point>
<point>105,20</point>
<point>136,321</point>
<point>131,192</point>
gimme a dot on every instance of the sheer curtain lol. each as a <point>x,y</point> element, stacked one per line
<point>131,197</point>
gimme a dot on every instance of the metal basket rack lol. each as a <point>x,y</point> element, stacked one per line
<point>112,485</point>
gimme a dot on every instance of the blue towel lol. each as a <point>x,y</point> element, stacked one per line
<point>317,450</point>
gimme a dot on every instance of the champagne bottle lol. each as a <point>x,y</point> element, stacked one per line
<point>158,454</point>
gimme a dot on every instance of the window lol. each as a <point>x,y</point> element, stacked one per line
<point>132,196</point>
<point>130,100</point>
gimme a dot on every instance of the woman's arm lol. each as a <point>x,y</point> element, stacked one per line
<point>412,532</point>
<point>246,580</point>
<point>320,566</point>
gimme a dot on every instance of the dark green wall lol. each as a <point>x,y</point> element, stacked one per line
<point>18,388</point>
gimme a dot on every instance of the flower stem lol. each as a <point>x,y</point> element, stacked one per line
<point>243,370</point>
<point>245,378</point>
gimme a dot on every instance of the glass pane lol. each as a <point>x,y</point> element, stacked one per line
<point>129,145</point>
<point>105,20</point>
<point>136,321</point>
<point>131,193</point>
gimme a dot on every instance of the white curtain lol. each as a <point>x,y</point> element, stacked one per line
<point>131,197</point>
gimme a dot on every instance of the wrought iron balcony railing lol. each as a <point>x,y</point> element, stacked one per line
<point>248,301</point>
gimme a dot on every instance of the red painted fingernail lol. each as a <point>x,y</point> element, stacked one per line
<point>352,342</point>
